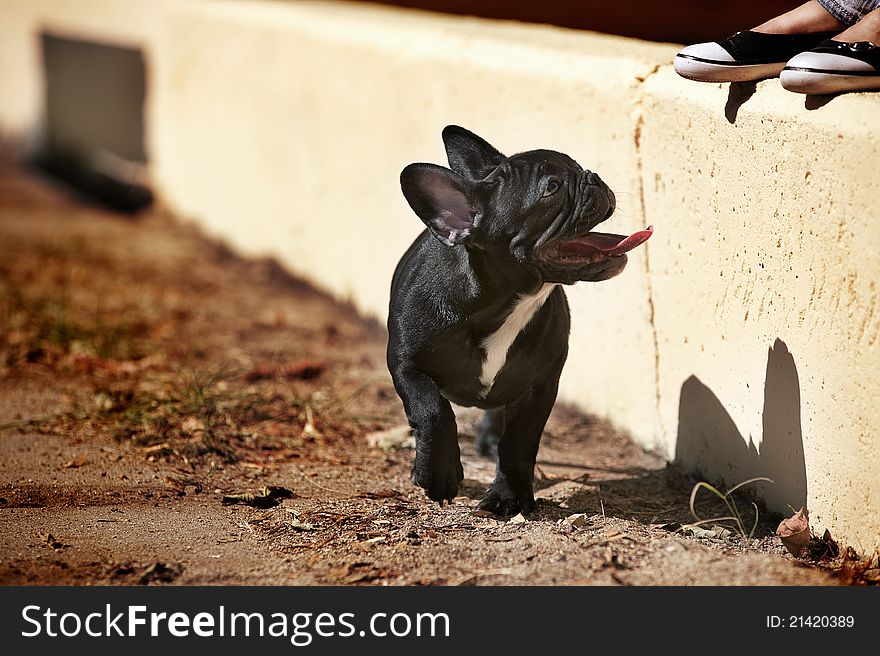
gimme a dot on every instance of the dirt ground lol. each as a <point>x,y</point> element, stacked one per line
<point>146,373</point>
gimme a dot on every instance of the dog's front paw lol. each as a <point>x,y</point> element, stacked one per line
<point>439,474</point>
<point>501,500</point>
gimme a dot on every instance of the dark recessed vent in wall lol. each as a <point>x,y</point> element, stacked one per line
<point>94,130</point>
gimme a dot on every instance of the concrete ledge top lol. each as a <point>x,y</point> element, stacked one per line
<point>768,100</point>
<point>412,33</point>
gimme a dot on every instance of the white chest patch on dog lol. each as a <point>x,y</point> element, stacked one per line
<point>498,343</point>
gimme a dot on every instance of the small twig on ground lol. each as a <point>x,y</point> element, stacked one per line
<point>480,575</point>
<point>317,485</point>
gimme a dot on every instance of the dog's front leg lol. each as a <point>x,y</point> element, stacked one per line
<point>437,467</point>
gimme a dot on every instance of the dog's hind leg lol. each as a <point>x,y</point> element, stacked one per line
<point>489,432</point>
<point>437,467</point>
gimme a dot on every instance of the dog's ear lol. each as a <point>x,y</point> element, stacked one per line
<point>469,155</point>
<point>443,200</point>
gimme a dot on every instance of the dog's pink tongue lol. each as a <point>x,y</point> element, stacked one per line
<point>606,243</point>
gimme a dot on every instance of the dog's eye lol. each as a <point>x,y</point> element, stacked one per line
<point>552,187</point>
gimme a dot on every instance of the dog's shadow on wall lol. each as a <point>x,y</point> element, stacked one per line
<point>709,441</point>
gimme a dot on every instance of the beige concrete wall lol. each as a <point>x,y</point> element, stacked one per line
<point>765,283</point>
<point>741,340</point>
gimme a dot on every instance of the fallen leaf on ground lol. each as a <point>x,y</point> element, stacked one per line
<point>51,541</point>
<point>722,532</point>
<point>577,520</point>
<point>303,369</point>
<point>356,572</point>
<point>824,547</point>
<point>79,461</point>
<point>192,425</point>
<point>795,532</point>
<point>518,519</point>
<point>267,497</point>
<point>160,572</point>
<point>698,532</point>
<point>297,524</point>
<point>398,437</point>
<point>260,372</point>
<point>179,485</point>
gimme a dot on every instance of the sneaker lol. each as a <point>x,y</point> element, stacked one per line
<point>834,67</point>
<point>743,56</point>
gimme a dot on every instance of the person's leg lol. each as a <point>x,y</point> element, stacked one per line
<point>809,17</point>
<point>867,29</point>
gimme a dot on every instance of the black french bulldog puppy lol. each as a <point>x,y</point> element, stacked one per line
<point>477,314</point>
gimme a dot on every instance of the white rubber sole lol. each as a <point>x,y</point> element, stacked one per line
<point>800,80</point>
<point>706,71</point>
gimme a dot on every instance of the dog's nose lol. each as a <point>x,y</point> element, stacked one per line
<point>594,179</point>
<point>612,204</point>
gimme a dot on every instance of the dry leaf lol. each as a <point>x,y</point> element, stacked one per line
<point>299,525</point>
<point>192,425</point>
<point>303,369</point>
<point>398,437</point>
<point>51,541</point>
<point>179,485</point>
<point>267,497</point>
<point>260,372</point>
<point>795,532</point>
<point>577,520</point>
<point>160,572</point>
<point>79,461</point>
